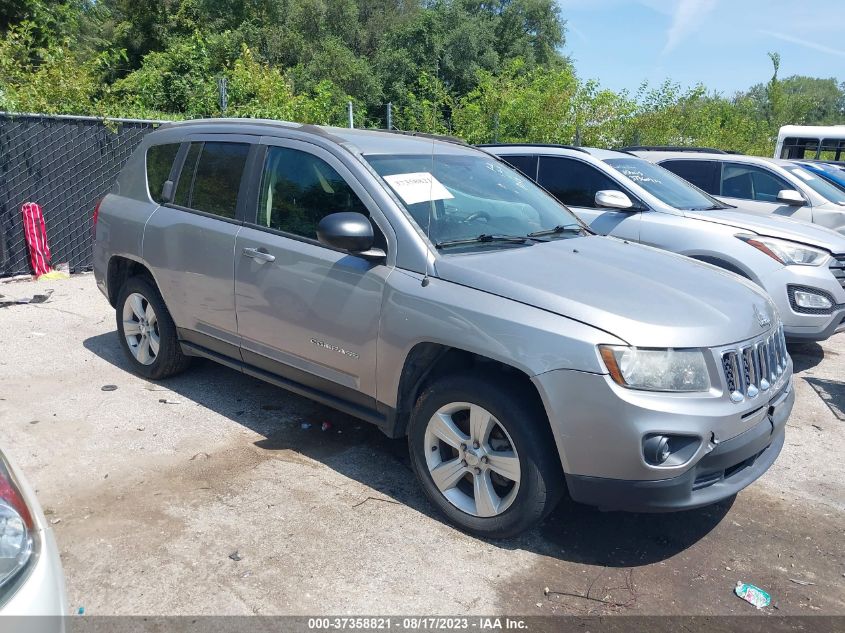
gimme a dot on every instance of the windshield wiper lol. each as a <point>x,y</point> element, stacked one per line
<point>713,207</point>
<point>560,228</point>
<point>484,238</point>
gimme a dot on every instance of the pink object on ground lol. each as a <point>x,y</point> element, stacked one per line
<point>36,238</point>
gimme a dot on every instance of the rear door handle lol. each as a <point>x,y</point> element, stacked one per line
<point>259,254</point>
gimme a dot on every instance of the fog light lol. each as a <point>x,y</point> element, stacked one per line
<point>811,300</point>
<point>656,449</point>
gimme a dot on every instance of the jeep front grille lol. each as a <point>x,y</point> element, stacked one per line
<point>756,366</point>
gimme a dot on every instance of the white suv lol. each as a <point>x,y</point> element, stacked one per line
<point>758,185</point>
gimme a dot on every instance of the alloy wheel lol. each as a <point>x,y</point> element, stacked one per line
<point>472,459</point>
<point>140,328</point>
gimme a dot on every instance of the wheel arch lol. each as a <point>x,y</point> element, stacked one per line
<point>122,267</point>
<point>427,362</point>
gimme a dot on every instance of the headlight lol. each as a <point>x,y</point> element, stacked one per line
<point>657,369</point>
<point>16,528</point>
<point>786,252</point>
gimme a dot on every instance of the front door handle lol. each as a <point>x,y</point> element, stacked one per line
<point>259,254</point>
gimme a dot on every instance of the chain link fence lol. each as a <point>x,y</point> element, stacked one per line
<point>65,164</point>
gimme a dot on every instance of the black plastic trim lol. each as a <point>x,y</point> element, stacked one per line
<point>382,415</point>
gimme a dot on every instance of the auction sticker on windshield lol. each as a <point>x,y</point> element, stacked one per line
<point>420,186</point>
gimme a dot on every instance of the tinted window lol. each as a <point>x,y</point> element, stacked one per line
<point>159,161</point>
<point>217,178</point>
<point>704,174</point>
<point>573,182</point>
<point>526,164</point>
<point>186,178</point>
<point>748,182</point>
<point>664,185</point>
<point>299,189</point>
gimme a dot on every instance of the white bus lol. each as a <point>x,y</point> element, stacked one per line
<point>811,142</point>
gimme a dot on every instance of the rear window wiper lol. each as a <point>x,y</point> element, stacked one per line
<point>484,238</point>
<point>561,228</point>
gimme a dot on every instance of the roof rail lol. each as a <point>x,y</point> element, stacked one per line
<point>437,137</point>
<point>555,145</point>
<point>674,148</point>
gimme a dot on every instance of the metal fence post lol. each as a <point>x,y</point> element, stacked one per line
<point>349,113</point>
<point>389,116</point>
<point>223,96</point>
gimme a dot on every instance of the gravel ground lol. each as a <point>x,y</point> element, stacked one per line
<point>205,494</point>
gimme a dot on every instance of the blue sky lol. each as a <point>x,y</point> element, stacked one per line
<point>721,43</point>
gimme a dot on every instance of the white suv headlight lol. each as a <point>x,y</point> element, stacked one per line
<point>657,369</point>
<point>786,252</point>
<point>16,528</point>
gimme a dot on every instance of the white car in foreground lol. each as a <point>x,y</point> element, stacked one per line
<point>31,578</point>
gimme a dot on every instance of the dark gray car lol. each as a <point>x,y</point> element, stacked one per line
<point>426,287</point>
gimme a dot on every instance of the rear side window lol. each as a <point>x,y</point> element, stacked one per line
<point>299,189</point>
<point>832,149</point>
<point>159,161</point>
<point>211,177</point>
<point>526,164</point>
<point>572,182</point>
<point>704,174</point>
<point>798,148</point>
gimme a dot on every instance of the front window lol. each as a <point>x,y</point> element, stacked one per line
<point>749,182</point>
<point>464,196</point>
<point>822,187</point>
<point>664,185</point>
<point>299,189</point>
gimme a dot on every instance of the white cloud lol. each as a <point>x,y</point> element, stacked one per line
<point>686,18</point>
<point>806,43</point>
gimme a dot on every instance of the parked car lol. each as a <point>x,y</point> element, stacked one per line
<point>31,578</point>
<point>800,265</point>
<point>426,287</point>
<point>834,173</point>
<point>767,186</point>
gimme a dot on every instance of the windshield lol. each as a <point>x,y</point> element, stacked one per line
<point>664,185</point>
<point>464,196</point>
<point>825,189</point>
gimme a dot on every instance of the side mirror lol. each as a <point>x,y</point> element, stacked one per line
<point>350,232</point>
<point>791,197</point>
<point>610,199</point>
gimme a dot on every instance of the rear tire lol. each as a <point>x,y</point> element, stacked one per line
<point>484,454</point>
<point>147,332</point>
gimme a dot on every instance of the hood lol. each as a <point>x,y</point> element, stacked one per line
<point>645,296</point>
<point>776,226</point>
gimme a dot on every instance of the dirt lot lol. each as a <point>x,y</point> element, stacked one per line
<point>153,488</point>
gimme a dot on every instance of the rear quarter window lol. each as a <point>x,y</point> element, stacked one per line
<point>159,162</point>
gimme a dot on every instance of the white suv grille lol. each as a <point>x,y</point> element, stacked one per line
<point>756,366</point>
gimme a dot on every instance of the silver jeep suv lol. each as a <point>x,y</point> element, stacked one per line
<point>425,286</point>
<point>800,265</point>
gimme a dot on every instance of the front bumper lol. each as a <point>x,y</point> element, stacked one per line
<point>599,428</point>
<point>40,590</point>
<point>803,325</point>
<point>728,468</point>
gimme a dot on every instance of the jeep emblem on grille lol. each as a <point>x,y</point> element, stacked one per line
<point>762,319</point>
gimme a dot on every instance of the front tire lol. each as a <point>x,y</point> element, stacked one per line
<point>147,332</point>
<point>484,455</point>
